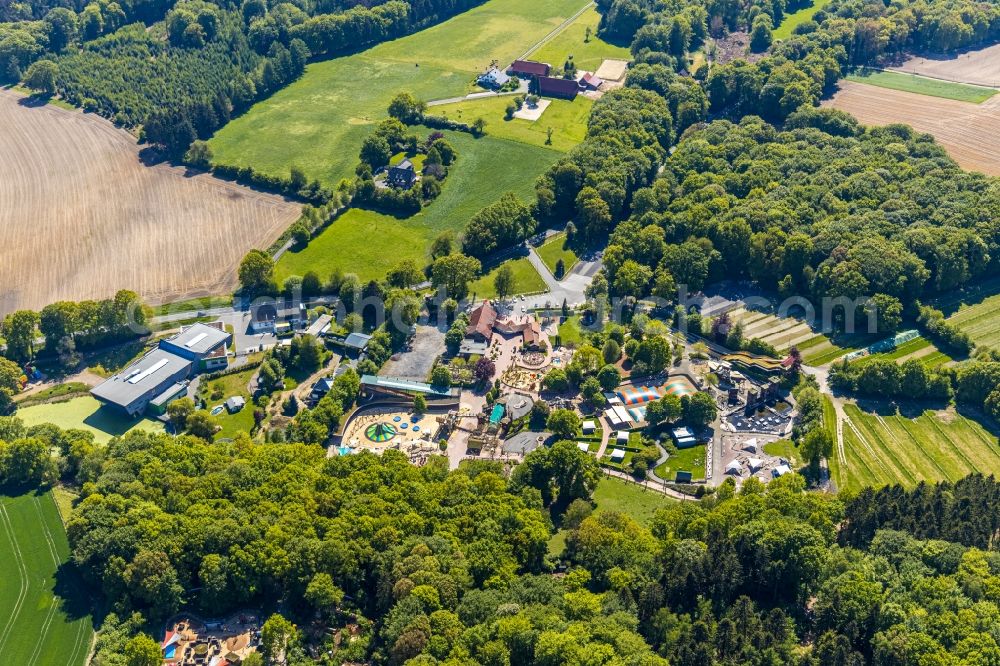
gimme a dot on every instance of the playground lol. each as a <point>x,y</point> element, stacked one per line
<point>388,428</point>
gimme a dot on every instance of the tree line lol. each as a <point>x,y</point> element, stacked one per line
<point>433,566</point>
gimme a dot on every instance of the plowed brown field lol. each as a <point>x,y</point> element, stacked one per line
<point>81,216</point>
<point>980,67</point>
<point>969,132</point>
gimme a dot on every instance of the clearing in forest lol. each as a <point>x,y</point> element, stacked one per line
<point>967,131</point>
<point>81,216</point>
<point>791,21</point>
<point>44,619</point>
<point>889,448</point>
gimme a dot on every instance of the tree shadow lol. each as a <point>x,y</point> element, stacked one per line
<point>35,100</point>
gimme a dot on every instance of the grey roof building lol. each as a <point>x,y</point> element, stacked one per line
<point>196,341</point>
<point>134,387</point>
<point>402,175</point>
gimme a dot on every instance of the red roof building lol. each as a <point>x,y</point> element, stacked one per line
<point>591,81</point>
<point>553,87</point>
<point>529,68</point>
<point>481,322</point>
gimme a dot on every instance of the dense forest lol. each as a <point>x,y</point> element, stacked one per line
<point>439,567</point>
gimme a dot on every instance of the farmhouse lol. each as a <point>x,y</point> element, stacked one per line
<point>529,68</point>
<point>203,344</point>
<point>403,175</point>
<point>493,78</point>
<point>132,389</point>
<point>551,86</point>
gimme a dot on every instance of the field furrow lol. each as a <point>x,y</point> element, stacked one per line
<point>82,217</point>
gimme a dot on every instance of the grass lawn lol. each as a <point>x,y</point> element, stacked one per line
<point>906,449</point>
<point>615,494</point>
<point>923,86</point>
<point>45,607</point>
<point>783,448</point>
<point>201,303</point>
<point>784,31</point>
<point>526,280</point>
<point>555,249</point>
<point>230,385</point>
<point>86,413</point>
<point>369,243</point>
<point>587,54</point>
<point>567,118</point>
<point>570,333</point>
<point>64,498</point>
<point>57,391</point>
<point>319,121</point>
<point>689,460</point>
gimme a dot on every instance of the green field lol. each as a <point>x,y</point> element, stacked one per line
<point>555,249</point>
<point>784,31</point>
<point>920,349</point>
<point>526,280</point>
<point>823,349</point>
<point>907,449</point>
<point>45,617</point>
<point>923,86</point>
<point>977,312</point>
<point>319,122</point>
<point>369,243</point>
<point>573,42</point>
<point>86,413</point>
<point>567,118</point>
<point>689,460</point>
<point>615,494</point>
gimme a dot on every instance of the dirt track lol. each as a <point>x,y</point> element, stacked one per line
<point>980,67</point>
<point>969,132</point>
<point>81,216</point>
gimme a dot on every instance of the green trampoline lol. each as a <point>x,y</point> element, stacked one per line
<point>380,432</point>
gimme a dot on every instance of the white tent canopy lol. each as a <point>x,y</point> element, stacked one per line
<point>622,437</point>
<point>751,445</point>
<point>755,463</point>
<point>617,455</point>
<point>734,467</point>
<point>583,446</point>
<point>589,427</point>
<point>781,470</point>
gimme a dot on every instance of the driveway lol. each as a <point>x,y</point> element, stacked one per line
<point>571,288</point>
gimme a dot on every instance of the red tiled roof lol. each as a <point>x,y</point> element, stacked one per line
<point>529,67</point>
<point>532,332</point>
<point>548,85</point>
<point>482,320</point>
